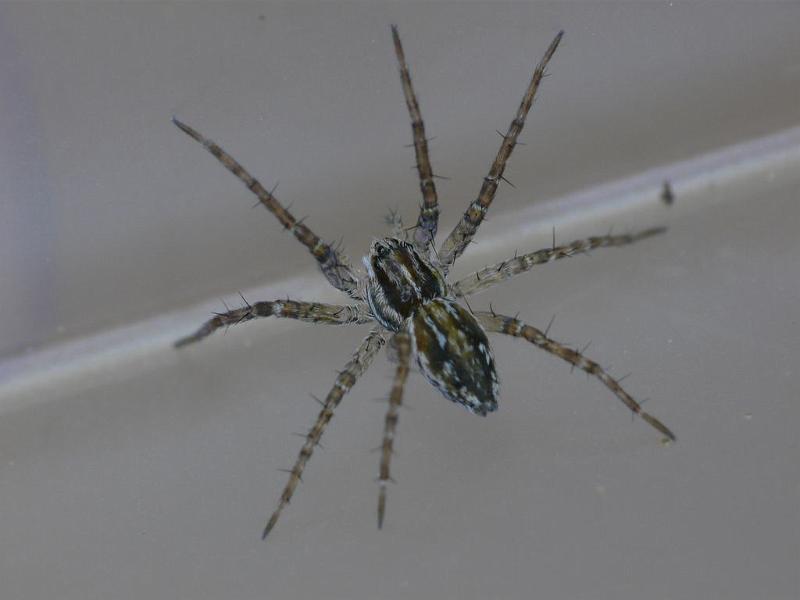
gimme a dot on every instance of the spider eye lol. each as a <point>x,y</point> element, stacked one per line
<point>382,252</point>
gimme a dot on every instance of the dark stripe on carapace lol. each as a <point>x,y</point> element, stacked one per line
<point>404,278</point>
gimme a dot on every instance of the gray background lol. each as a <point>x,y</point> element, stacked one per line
<point>128,470</point>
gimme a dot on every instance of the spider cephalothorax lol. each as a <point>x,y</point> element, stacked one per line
<point>399,281</point>
<point>405,294</point>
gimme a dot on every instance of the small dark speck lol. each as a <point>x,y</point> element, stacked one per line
<point>667,195</point>
<point>262,18</point>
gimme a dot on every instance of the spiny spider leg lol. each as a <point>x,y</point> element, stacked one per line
<point>312,312</point>
<point>344,382</point>
<point>402,344</point>
<point>464,231</point>
<point>334,265</point>
<point>428,220</point>
<point>516,328</point>
<point>494,274</point>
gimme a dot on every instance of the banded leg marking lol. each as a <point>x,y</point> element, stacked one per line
<point>334,265</point>
<point>516,328</point>
<point>494,274</point>
<point>402,344</point>
<point>428,219</point>
<point>344,382</point>
<point>311,312</point>
<point>464,231</point>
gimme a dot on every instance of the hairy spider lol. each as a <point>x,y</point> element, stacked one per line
<point>406,293</point>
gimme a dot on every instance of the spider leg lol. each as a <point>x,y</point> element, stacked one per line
<point>402,345</point>
<point>428,219</point>
<point>344,382</point>
<point>494,274</point>
<point>334,265</point>
<point>464,231</point>
<point>516,328</point>
<point>312,312</point>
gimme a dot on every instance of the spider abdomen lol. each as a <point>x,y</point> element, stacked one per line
<point>454,354</point>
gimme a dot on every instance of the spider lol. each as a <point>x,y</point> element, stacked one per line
<point>406,294</point>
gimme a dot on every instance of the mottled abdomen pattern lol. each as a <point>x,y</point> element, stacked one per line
<point>406,292</point>
<point>454,354</point>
